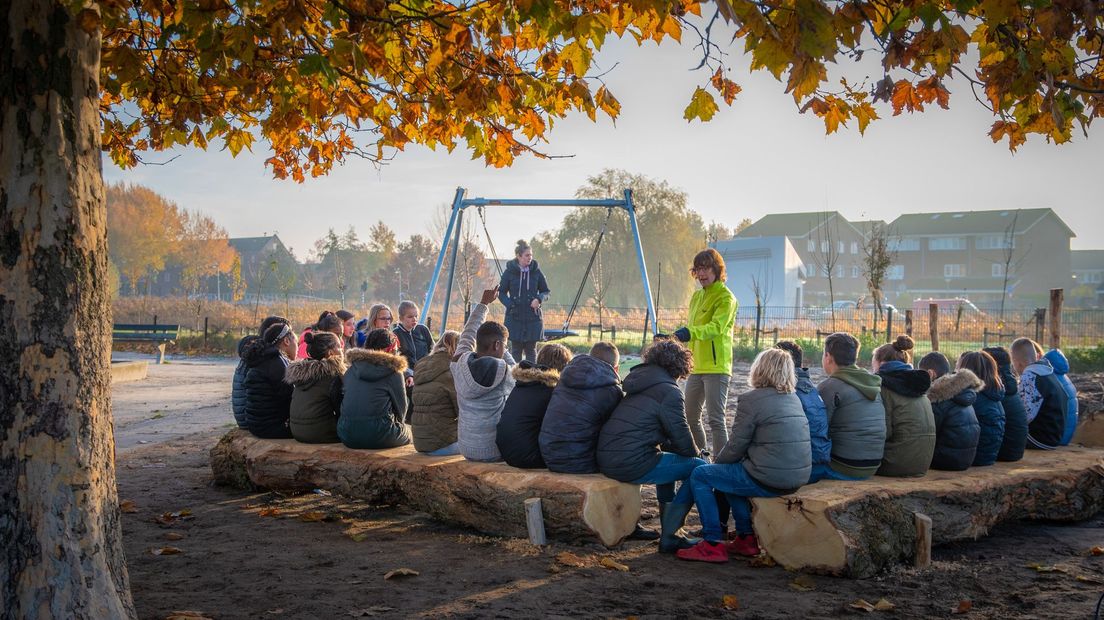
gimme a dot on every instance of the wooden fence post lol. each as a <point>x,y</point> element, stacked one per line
<point>205,331</point>
<point>908,323</point>
<point>889,324</point>
<point>1040,324</point>
<point>933,325</point>
<point>1056,295</point>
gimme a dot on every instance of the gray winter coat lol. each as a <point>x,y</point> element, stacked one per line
<point>482,386</point>
<point>770,437</point>
<point>856,421</point>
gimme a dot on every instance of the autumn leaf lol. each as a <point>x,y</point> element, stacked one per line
<point>401,572</point>
<point>313,516</point>
<point>570,559</point>
<point>268,512</point>
<point>360,536</point>
<point>612,564</point>
<point>1097,550</point>
<point>726,87</point>
<point>89,20</point>
<point>187,615</point>
<point>702,106</point>
<point>173,536</point>
<point>963,606</point>
<point>905,98</point>
<point>166,551</point>
<point>128,506</point>
<point>862,604</point>
<point>1012,130</point>
<point>730,602</point>
<point>884,605</point>
<point>803,583</point>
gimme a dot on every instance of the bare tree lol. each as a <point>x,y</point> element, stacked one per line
<point>1010,261</point>
<point>600,281</point>
<point>877,259</point>
<point>470,264</point>
<point>826,254</point>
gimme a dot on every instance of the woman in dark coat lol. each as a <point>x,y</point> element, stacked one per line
<point>522,290</point>
<point>1015,417</point>
<point>987,407</point>
<point>518,431</point>
<point>267,397</point>
<point>952,396</point>
<point>374,406</point>
<point>237,394</point>
<point>317,379</point>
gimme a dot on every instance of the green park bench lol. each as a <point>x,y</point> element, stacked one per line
<point>162,335</point>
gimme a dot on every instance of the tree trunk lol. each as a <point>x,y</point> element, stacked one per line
<point>61,555</point>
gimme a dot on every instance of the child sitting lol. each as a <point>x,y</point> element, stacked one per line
<point>433,421</point>
<point>910,423</point>
<point>987,407</point>
<point>237,391</point>
<point>481,371</point>
<point>952,396</point>
<point>587,393</point>
<point>327,322</point>
<point>767,455</point>
<point>1046,404</point>
<point>375,397</point>
<point>812,404</point>
<point>856,418</point>
<point>1061,368</point>
<point>647,440</point>
<point>267,397</point>
<point>317,379</point>
<point>518,435</point>
<point>1015,417</point>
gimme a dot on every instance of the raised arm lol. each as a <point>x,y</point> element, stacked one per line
<point>466,343</point>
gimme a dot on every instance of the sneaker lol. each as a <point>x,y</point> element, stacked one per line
<point>745,545</point>
<point>704,551</point>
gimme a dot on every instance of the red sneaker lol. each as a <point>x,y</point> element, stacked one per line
<point>704,551</point>
<point>745,545</point>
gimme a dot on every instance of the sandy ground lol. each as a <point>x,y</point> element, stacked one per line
<point>266,555</point>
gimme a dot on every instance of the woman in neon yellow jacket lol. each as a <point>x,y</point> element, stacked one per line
<point>709,337</point>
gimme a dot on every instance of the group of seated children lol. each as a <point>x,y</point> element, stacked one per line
<point>572,414</point>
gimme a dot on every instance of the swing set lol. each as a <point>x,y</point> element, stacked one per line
<point>456,219</point>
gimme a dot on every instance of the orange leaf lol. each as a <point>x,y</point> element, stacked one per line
<point>1098,550</point>
<point>166,551</point>
<point>268,512</point>
<point>128,506</point>
<point>963,607</point>
<point>730,602</point>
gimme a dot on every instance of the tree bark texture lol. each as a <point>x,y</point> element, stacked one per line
<point>858,529</point>
<point>489,497</point>
<point>61,555</point>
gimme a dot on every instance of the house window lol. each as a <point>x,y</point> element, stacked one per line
<point>895,272</point>
<point>956,270</point>
<point>854,271</point>
<point>825,271</point>
<point>839,271</point>
<point>947,243</point>
<point>842,247</point>
<point>854,247</point>
<point>998,270</point>
<point>994,242</point>
<point>811,246</point>
<point>904,245</point>
<point>824,245</point>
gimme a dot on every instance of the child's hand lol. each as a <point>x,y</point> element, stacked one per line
<point>534,304</point>
<point>489,295</point>
<point>410,382</point>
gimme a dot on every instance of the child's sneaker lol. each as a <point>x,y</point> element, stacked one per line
<point>745,545</point>
<point>704,551</point>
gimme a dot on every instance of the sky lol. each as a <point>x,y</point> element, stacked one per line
<point>756,157</point>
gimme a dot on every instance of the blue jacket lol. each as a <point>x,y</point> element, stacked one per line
<point>517,294</point>
<point>1045,402</point>
<point>990,415</point>
<point>582,401</point>
<point>813,405</point>
<point>237,393</point>
<point>1061,370</point>
<point>1015,417</point>
<point>956,426</point>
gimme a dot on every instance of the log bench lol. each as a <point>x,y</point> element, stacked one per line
<point>857,529</point>
<point>489,497</point>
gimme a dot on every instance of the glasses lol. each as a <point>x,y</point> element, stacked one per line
<point>384,318</point>
<point>701,269</point>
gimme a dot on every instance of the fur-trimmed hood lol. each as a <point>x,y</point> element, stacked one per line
<point>961,386</point>
<point>372,365</point>
<point>906,382</point>
<point>306,372</point>
<point>534,375</point>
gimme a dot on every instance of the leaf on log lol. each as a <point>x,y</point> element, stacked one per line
<point>401,572</point>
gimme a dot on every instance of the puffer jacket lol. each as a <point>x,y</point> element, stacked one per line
<point>649,420</point>
<point>956,425</point>
<point>770,437</point>
<point>813,405</point>
<point>433,422</point>
<point>483,384</point>
<point>316,401</point>
<point>518,433</point>
<point>1015,418</point>
<point>1061,368</point>
<point>414,344</point>
<point>990,416</point>
<point>517,291</point>
<point>267,397</point>
<point>237,393</point>
<point>588,392</point>
<point>375,401</point>
<point>1045,404</point>
<point>910,424</point>
<point>856,420</point>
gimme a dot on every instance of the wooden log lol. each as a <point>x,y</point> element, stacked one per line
<point>489,497</point>
<point>908,323</point>
<point>534,520</point>
<point>922,558</point>
<point>858,529</point>
<point>933,326</point>
<point>1055,310</point>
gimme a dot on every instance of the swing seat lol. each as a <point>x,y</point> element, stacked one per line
<point>557,334</point>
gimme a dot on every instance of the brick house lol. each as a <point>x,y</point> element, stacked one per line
<point>1088,273</point>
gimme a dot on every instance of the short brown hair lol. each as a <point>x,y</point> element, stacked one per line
<point>554,356</point>
<point>710,259</point>
<point>607,352</point>
<point>842,347</point>
<point>670,355</point>
<point>1025,349</point>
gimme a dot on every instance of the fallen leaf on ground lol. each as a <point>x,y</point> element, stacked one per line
<point>313,516</point>
<point>275,612</point>
<point>884,605</point>
<point>862,604</point>
<point>613,564</point>
<point>963,607</point>
<point>374,610</point>
<point>187,615</point>
<point>129,506</point>
<point>401,572</point>
<point>166,551</point>
<point>1089,579</point>
<point>268,512</point>
<point>554,568</point>
<point>762,561</point>
<point>360,536</point>
<point>173,536</point>
<point>1039,568</point>
<point>803,583</point>
<point>168,518</point>
<point>1097,550</point>
<point>730,602</point>
<point>570,559</point>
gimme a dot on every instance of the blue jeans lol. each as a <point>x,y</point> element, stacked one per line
<point>823,471</point>
<point>450,450</point>
<point>670,469</point>
<point>732,480</point>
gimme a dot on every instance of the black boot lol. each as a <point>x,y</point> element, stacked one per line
<point>671,518</point>
<point>642,533</point>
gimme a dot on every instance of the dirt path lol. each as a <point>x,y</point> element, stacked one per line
<point>263,555</point>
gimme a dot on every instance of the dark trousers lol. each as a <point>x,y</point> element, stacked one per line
<point>528,347</point>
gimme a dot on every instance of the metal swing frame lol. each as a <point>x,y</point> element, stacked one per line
<point>456,219</point>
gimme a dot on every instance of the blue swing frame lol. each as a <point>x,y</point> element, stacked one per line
<point>456,218</point>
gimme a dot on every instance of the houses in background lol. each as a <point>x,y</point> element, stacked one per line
<point>979,255</point>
